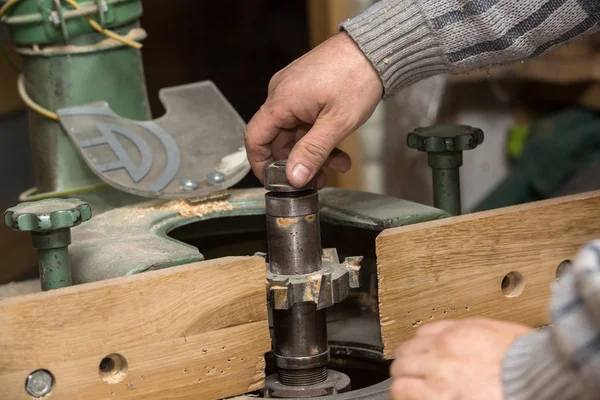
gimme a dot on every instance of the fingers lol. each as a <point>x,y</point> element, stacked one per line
<point>321,180</point>
<point>435,328</point>
<point>282,145</point>
<point>411,389</point>
<point>313,150</point>
<point>419,364</point>
<point>334,88</point>
<point>264,127</point>
<point>339,160</point>
<point>416,345</point>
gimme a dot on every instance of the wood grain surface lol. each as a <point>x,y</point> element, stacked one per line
<point>198,331</point>
<point>497,264</point>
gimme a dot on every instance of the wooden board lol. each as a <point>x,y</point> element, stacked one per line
<point>192,332</point>
<point>454,268</point>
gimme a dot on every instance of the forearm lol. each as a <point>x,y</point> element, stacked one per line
<point>409,40</point>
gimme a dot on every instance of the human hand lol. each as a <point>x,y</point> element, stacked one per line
<point>312,105</point>
<point>458,360</point>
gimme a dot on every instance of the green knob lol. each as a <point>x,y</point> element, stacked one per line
<point>47,215</point>
<point>50,222</point>
<point>445,138</point>
<point>444,145</point>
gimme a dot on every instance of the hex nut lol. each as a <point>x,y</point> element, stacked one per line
<point>39,383</point>
<point>276,179</point>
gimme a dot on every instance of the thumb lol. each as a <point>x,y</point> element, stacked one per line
<point>310,153</point>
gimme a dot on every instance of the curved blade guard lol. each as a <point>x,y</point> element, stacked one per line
<point>195,149</point>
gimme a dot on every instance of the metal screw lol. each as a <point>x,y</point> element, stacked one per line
<point>39,383</point>
<point>216,177</point>
<point>188,184</point>
<point>55,19</point>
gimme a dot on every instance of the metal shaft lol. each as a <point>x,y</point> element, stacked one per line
<point>53,258</point>
<point>301,338</point>
<point>446,190</point>
<point>293,233</point>
<point>446,181</point>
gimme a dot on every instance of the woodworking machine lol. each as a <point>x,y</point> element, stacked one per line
<point>161,194</point>
<point>326,340</point>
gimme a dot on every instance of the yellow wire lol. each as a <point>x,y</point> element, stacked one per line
<point>8,5</point>
<point>106,32</point>
<point>93,23</point>
<point>21,83</point>
<point>30,103</point>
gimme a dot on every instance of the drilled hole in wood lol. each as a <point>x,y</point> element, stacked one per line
<point>512,284</point>
<point>563,268</point>
<point>113,368</point>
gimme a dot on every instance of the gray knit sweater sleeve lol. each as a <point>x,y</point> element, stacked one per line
<point>409,40</point>
<point>562,361</point>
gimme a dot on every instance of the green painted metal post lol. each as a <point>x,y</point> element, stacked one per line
<point>67,63</point>
<point>444,145</point>
<point>53,258</point>
<point>446,181</point>
<point>50,222</point>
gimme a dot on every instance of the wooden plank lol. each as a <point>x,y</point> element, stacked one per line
<point>191,332</point>
<point>454,268</point>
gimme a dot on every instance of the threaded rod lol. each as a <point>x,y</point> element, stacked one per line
<point>305,377</point>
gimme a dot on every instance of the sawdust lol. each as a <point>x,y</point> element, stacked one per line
<point>197,210</point>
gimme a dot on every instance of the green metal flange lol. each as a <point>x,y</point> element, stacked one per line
<point>444,145</point>
<point>33,22</point>
<point>50,222</point>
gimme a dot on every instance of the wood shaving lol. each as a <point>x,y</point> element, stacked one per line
<point>197,210</point>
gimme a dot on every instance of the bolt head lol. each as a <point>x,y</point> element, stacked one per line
<point>47,215</point>
<point>188,184</point>
<point>276,179</point>
<point>55,19</point>
<point>39,383</point>
<point>216,177</point>
<point>445,138</point>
